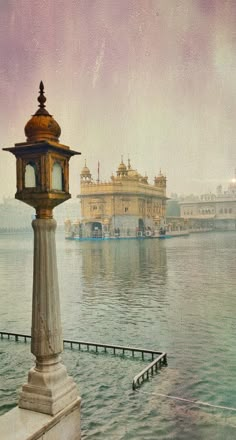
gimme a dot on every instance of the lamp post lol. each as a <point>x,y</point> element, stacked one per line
<point>43,182</point>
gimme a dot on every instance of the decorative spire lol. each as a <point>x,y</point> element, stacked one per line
<point>129,166</point>
<point>41,99</point>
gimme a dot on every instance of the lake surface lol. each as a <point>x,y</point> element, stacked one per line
<point>176,295</point>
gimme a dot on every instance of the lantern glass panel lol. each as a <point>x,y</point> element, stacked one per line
<point>30,176</point>
<point>57,178</point>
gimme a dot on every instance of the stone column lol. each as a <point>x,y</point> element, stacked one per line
<point>49,389</point>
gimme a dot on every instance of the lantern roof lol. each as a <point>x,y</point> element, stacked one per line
<point>42,132</point>
<point>42,126</point>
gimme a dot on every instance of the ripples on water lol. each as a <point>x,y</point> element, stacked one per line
<point>175,295</point>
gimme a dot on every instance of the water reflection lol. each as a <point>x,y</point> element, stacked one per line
<point>125,265</point>
<point>118,288</point>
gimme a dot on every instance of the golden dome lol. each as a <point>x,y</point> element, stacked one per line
<point>122,167</point>
<point>42,126</point>
<point>133,174</point>
<point>85,171</point>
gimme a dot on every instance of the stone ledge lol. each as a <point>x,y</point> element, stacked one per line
<point>22,424</point>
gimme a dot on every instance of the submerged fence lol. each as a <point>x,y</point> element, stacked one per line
<point>156,364</point>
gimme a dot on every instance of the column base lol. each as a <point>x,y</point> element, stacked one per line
<point>48,392</point>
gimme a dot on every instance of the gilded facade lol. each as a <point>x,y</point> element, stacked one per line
<point>125,205</point>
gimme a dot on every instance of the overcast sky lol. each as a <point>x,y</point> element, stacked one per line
<point>152,79</point>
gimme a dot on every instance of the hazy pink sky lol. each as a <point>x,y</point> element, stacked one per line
<point>155,79</point>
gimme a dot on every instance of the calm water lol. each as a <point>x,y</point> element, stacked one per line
<point>175,295</point>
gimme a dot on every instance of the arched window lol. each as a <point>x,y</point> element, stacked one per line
<point>30,175</point>
<point>57,177</point>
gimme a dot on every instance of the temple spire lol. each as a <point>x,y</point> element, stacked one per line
<point>129,166</point>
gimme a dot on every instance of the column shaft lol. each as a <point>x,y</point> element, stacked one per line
<point>46,329</point>
<point>49,389</point>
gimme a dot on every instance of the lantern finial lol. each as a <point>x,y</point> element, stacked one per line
<point>41,99</point>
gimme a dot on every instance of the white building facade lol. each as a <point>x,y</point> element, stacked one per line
<point>217,211</point>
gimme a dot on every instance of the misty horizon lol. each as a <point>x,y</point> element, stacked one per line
<point>148,80</point>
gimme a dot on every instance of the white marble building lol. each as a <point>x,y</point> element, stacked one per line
<point>212,210</point>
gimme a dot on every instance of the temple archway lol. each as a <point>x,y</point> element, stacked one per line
<point>96,229</point>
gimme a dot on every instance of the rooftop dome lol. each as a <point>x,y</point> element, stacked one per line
<point>85,171</point>
<point>133,173</point>
<point>42,126</point>
<point>122,167</point>
<point>85,174</point>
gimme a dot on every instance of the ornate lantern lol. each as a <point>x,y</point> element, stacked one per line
<point>42,163</point>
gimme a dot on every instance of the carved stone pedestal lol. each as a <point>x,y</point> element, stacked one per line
<point>49,389</point>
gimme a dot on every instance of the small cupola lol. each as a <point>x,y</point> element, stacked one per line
<point>122,169</point>
<point>85,174</point>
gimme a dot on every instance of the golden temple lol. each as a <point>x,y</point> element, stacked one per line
<point>126,206</point>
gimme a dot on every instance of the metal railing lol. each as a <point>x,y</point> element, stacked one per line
<point>149,370</point>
